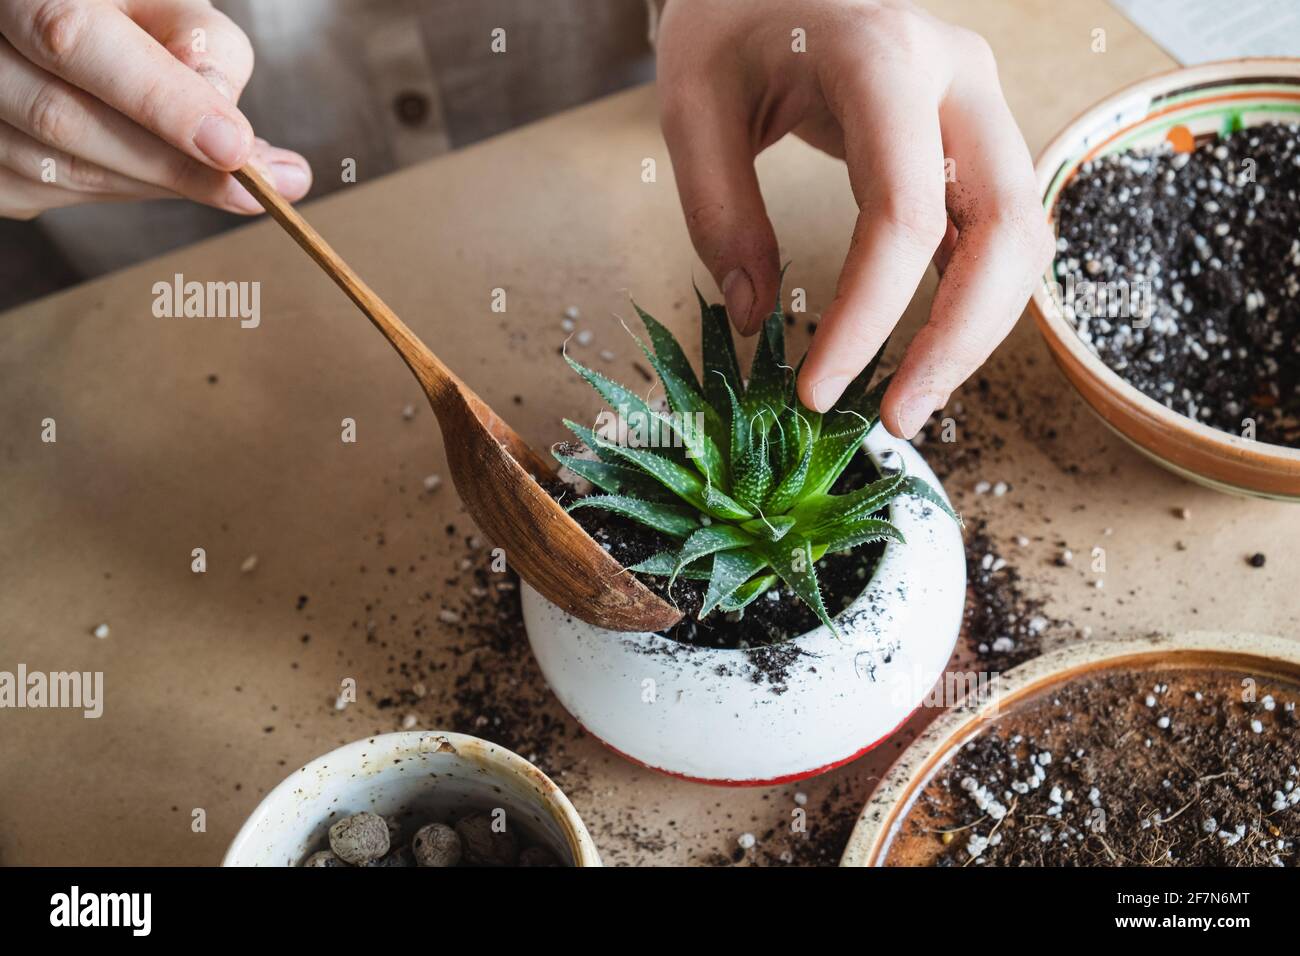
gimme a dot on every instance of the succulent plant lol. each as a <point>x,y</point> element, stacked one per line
<point>737,473</point>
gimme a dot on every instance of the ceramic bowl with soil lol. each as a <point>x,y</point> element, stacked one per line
<point>393,800</point>
<point>774,696</point>
<point>1159,752</point>
<point>1173,305</point>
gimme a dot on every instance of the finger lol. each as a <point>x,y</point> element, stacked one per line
<point>822,131</point>
<point>943,254</point>
<point>202,38</point>
<point>23,198</point>
<point>21,154</point>
<point>287,169</point>
<point>894,153</point>
<point>713,162</point>
<point>95,47</point>
<point>71,121</point>
<point>210,43</point>
<point>1003,245</point>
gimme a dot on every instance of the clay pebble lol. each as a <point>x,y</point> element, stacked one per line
<point>485,845</point>
<point>360,838</point>
<point>324,858</point>
<point>436,845</point>
<point>537,856</point>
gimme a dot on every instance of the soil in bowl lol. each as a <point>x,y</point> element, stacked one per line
<point>772,619</point>
<point>1173,767</point>
<point>1185,271</point>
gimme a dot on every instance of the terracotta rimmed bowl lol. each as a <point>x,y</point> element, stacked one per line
<point>1181,107</point>
<point>893,799</point>
<point>411,777</point>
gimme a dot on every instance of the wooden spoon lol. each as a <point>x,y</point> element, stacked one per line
<point>492,467</point>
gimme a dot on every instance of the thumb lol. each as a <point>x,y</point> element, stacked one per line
<point>713,162</point>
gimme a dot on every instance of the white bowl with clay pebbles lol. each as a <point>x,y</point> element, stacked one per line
<point>420,798</point>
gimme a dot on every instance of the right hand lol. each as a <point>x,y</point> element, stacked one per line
<point>127,99</point>
<point>896,94</point>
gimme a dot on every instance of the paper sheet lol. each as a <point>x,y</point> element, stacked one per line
<point>1197,31</point>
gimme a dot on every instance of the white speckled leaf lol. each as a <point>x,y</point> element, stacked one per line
<point>671,520</point>
<point>792,559</point>
<point>731,569</point>
<point>851,534</point>
<point>744,595</point>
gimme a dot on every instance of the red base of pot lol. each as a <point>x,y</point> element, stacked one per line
<point>774,781</point>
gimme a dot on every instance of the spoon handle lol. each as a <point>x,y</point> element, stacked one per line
<point>435,376</point>
<point>438,381</point>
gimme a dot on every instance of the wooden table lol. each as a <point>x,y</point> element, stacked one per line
<point>175,434</point>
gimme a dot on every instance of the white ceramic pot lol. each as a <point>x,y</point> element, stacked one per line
<point>699,713</point>
<point>413,777</point>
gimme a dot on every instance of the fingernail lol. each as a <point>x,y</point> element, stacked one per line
<point>221,141</point>
<point>915,413</point>
<point>290,179</point>
<point>738,290</point>
<point>828,390</point>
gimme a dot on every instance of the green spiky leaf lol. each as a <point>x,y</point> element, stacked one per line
<point>719,504</point>
<point>664,563</point>
<point>786,494</point>
<point>851,534</point>
<point>921,489</point>
<point>710,540</point>
<point>721,371</point>
<point>589,439</point>
<point>773,528</point>
<point>671,520</point>
<point>681,481</point>
<point>792,558</point>
<point>694,419</point>
<point>796,427</point>
<point>856,396</point>
<point>752,476</point>
<point>840,439</point>
<point>743,487</point>
<point>820,511</point>
<point>615,479</point>
<point>738,426</point>
<point>699,427</point>
<point>730,570</point>
<point>770,381</point>
<point>652,431</point>
<point>667,350</point>
<point>831,455</point>
<point>744,595</point>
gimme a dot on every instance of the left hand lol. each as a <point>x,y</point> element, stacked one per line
<point>104,100</point>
